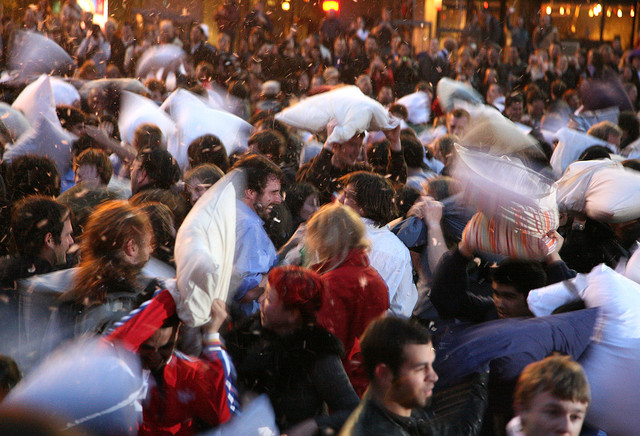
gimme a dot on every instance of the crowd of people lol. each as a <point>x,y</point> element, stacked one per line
<point>343,265</point>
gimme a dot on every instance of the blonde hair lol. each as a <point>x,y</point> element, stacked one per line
<point>332,232</point>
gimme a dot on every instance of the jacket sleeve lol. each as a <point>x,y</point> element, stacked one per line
<point>558,272</point>
<point>141,323</point>
<point>334,388</point>
<point>317,172</point>
<point>450,293</point>
<point>217,393</point>
<point>459,410</point>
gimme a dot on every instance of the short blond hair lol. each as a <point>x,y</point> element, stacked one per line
<point>559,375</point>
<point>332,232</point>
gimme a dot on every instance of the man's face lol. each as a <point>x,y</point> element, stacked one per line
<point>87,174</point>
<point>346,154</point>
<point>548,415</point>
<point>413,385</point>
<point>66,241</point>
<point>457,125</point>
<point>196,189</point>
<point>156,351</point>
<point>536,109</point>
<point>262,203</point>
<point>509,302</point>
<point>514,111</point>
<point>196,35</point>
<point>309,207</point>
<point>348,198</point>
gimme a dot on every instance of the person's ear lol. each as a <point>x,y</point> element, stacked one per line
<point>250,195</point>
<point>383,374</point>
<point>130,248</point>
<point>49,241</point>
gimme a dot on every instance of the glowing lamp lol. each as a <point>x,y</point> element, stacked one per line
<point>330,5</point>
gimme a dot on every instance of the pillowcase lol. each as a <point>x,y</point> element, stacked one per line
<point>494,235</point>
<point>194,118</point>
<point>32,54</point>
<point>136,110</point>
<point>418,105</point>
<point>571,144</point>
<point>527,201</point>
<point>13,121</point>
<point>448,91</point>
<point>204,250</point>
<point>46,138</point>
<point>64,93</point>
<point>516,342</point>
<point>36,101</point>
<point>353,111</point>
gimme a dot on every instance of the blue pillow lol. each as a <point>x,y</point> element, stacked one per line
<point>511,344</point>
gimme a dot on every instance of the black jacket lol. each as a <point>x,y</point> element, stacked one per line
<point>455,411</point>
<point>301,373</point>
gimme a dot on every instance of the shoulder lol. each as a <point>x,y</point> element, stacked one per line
<point>368,419</point>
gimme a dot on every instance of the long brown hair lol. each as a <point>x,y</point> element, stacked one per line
<point>109,228</point>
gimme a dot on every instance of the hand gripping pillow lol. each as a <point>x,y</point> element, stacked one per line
<point>418,105</point>
<point>204,250</point>
<point>527,201</point>
<point>354,112</point>
<point>13,121</point>
<point>571,144</point>
<point>37,101</point>
<point>493,235</point>
<point>448,91</point>
<point>45,139</point>
<point>136,110</point>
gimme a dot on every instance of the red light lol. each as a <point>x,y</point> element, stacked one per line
<point>330,5</point>
<point>485,5</point>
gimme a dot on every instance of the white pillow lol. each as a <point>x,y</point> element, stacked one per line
<point>36,101</point>
<point>136,110</point>
<point>527,201</point>
<point>45,139</point>
<point>64,93</point>
<point>128,84</point>
<point>498,135</point>
<point>13,120</point>
<point>612,360</point>
<point>33,54</point>
<point>449,90</point>
<point>418,105</point>
<point>194,119</point>
<point>354,112</point>
<point>159,57</point>
<point>571,144</point>
<point>204,250</point>
<point>603,189</point>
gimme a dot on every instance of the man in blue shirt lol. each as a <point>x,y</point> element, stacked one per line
<point>255,254</point>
